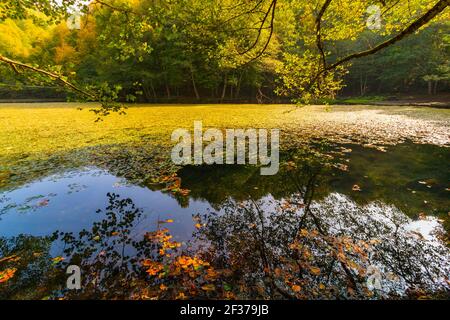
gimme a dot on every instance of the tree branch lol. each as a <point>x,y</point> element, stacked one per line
<point>14,64</point>
<point>319,31</point>
<point>115,8</point>
<point>263,22</point>
<point>416,25</point>
<point>272,9</point>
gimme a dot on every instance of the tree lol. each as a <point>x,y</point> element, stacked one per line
<point>144,47</point>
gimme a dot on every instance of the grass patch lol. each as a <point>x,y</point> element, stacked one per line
<point>361,100</point>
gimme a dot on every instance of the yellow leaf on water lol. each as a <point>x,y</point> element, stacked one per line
<point>57,259</point>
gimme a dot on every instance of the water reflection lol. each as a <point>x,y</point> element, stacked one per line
<point>263,249</point>
<point>53,203</point>
<point>237,235</point>
<point>412,177</point>
<point>327,249</point>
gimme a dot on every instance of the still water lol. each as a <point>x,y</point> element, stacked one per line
<point>366,224</point>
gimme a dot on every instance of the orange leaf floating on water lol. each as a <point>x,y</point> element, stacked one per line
<point>153,267</point>
<point>181,296</point>
<point>186,261</point>
<point>7,274</point>
<point>208,287</point>
<point>296,288</point>
<point>277,272</point>
<point>163,287</point>
<point>304,232</point>
<point>211,273</point>
<point>315,270</point>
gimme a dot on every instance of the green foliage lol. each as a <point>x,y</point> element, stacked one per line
<point>296,74</point>
<point>221,50</point>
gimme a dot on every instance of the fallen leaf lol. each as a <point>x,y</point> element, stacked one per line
<point>315,270</point>
<point>296,288</point>
<point>208,287</point>
<point>57,260</point>
<point>7,274</point>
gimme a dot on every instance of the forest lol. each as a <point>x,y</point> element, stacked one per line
<point>223,50</point>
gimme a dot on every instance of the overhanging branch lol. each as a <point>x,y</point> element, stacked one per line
<point>416,25</point>
<point>57,77</point>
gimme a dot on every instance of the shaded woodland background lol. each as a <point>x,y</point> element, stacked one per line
<point>189,50</point>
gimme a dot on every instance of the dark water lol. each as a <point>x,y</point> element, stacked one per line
<point>329,226</point>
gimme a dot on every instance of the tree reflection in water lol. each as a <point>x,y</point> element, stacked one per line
<point>294,248</point>
<point>331,249</point>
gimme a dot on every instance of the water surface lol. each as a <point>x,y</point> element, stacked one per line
<point>396,201</point>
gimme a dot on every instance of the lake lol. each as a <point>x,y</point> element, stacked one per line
<point>339,220</point>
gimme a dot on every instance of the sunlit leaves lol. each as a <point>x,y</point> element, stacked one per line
<point>300,77</point>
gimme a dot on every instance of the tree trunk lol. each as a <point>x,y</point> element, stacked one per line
<point>238,88</point>
<point>153,90</point>
<point>194,86</point>
<point>224,90</point>
<point>146,93</point>
<point>168,91</point>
